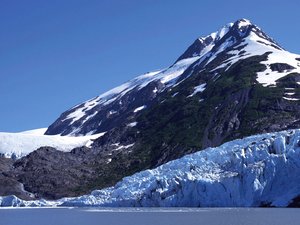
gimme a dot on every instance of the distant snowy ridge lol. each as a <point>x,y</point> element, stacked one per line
<point>21,144</point>
<point>39,131</point>
<point>256,171</point>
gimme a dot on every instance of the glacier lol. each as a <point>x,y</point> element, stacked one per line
<point>17,145</point>
<point>260,170</point>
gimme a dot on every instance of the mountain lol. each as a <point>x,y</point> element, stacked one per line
<point>231,84</point>
<point>210,56</point>
<point>257,171</point>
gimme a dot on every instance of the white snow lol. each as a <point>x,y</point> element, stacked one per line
<point>223,31</point>
<point>208,47</point>
<point>197,89</point>
<point>269,77</point>
<point>139,108</point>
<point>289,93</point>
<point>255,47</point>
<point>243,23</point>
<point>21,144</point>
<point>111,112</point>
<point>229,42</point>
<point>215,36</point>
<point>89,117</point>
<point>176,93</point>
<point>249,172</point>
<point>176,70</point>
<point>291,99</point>
<point>133,124</point>
<point>124,147</point>
<point>40,131</point>
<point>206,52</point>
<point>76,115</point>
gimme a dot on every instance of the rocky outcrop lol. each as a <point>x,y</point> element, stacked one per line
<point>281,67</point>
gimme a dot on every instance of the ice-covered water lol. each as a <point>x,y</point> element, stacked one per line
<point>149,216</point>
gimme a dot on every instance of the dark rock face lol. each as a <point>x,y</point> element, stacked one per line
<point>196,48</point>
<point>281,67</point>
<point>295,203</point>
<point>8,183</point>
<point>53,174</point>
<point>225,120</point>
<point>290,80</point>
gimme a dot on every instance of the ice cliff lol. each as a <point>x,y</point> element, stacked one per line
<point>261,170</point>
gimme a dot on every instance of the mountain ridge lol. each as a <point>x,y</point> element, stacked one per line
<point>238,31</point>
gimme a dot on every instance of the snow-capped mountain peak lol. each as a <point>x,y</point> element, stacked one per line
<point>203,45</point>
<point>246,28</point>
<point>243,22</point>
<point>245,40</point>
<point>237,30</point>
<point>216,53</point>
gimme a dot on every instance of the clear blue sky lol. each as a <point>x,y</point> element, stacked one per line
<point>57,53</point>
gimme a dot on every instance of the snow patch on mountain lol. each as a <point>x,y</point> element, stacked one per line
<point>269,77</point>
<point>244,23</point>
<point>139,108</point>
<point>133,124</point>
<point>21,144</point>
<point>291,99</point>
<point>254,44</point>
<point>197,89</point>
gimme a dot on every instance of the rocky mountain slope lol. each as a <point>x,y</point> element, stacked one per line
<point>230,84</point>
<point>261,170</point>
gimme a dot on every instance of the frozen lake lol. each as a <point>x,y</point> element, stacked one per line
<point>146,216</point>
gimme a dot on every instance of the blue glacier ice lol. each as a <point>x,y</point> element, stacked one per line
<point>254,171</point>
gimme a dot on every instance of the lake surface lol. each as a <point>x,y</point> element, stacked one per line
<point>149,216</point>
